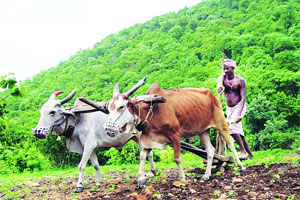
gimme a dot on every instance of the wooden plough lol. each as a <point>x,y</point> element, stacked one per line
<point>218,159</point>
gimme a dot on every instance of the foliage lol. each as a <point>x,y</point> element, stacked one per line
<point>129,154</point>
<point>180,50</point>
<point>20,159</point>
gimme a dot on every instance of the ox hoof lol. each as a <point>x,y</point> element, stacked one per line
<point>78,189</point>
<point>205,177</point>
<point>154,171</point>
<point>98,185</point>
<point>141,182</point>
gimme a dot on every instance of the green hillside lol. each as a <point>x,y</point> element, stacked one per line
<point>176,50</point>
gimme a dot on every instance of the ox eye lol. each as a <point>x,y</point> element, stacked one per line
<point>52,112</point>
<point>121,107</point>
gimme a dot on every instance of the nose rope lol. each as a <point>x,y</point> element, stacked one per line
<point>58,124</point>
<point>141,125</point>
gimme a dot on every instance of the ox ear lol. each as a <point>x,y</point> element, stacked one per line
<point>55,94</point>
<point>116,91</point>
<point>135,87</point>
<point>68,98</point>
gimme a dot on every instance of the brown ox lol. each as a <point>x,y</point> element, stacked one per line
<point>187,112</point>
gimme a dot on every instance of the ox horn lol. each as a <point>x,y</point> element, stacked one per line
<point>116,91</point>
<point>134,88</point>
<point>68,98</point>
<point>55,94</point>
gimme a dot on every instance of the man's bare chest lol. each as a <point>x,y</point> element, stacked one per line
<point>232,85</point>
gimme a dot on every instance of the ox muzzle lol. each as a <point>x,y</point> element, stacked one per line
<point>41,133</point>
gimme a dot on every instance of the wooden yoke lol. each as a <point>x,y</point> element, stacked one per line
<point>100,106</point>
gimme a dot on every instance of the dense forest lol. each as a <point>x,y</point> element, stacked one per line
<point>176,50</point>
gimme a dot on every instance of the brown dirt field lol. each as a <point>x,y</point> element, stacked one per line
<point>276,181</point>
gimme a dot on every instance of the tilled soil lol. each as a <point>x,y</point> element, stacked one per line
<point>276,181</point>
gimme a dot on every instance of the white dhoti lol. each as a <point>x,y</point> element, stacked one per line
<point>232,114</point>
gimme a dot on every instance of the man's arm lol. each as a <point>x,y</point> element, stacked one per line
<point>220,86</point>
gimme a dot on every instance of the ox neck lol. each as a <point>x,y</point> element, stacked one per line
<point>69,127</point>
<point>141,124</point>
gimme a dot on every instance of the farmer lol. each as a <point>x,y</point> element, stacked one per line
<point>235,94</point>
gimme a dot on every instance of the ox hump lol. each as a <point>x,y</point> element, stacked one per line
<point>154,88</point>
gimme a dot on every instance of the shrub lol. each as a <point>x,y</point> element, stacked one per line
<point>22,158</point>
<point>128,155</point>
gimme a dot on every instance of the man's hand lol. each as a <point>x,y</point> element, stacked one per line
<point>238,119</point>
<point>220,89</point>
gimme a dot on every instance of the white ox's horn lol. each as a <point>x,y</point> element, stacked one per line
<point>55,94</point>
<point>68,98</point>
<point>134,88</point>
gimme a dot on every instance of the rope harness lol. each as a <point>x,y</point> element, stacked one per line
<point>69,127</point>
<point>140,126</point>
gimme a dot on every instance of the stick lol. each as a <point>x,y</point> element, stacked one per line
<point>94,105</point>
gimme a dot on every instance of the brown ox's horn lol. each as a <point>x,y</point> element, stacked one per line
<point>68,98</point>
<point>101,106</point>
<point>149,98</point>
<point>134,88</point>
<point>157,100</point>
<point>116,90</point>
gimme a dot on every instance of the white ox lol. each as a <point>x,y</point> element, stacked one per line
<point>84,133</point>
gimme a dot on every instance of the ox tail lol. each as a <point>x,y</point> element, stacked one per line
<point>221,126</point>
<point>223,129</point>
<point>221,146</point>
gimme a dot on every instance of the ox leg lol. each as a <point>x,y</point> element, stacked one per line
<point>150,157</point>
<point>141,174</point>
<point>205,141</point>
<point>177,156</point>
<point>81,167</point>
<point>95,164</point>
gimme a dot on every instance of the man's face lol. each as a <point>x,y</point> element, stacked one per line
<point>228,70</point>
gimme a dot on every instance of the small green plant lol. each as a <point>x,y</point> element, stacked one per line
<point>143,186</point>
<point>292,197</point>
<point>217,192</point>
<point>156,196</point>
<point>112,187</point>
<point>95,187</point>
<point>127,179</point>
<point>64,182</point>
<point>153,180</point>
<point>232,193</point>
<point>277,176</point>
<point>236,171</point>
<point>85,182</point>
<point>219,173</point>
